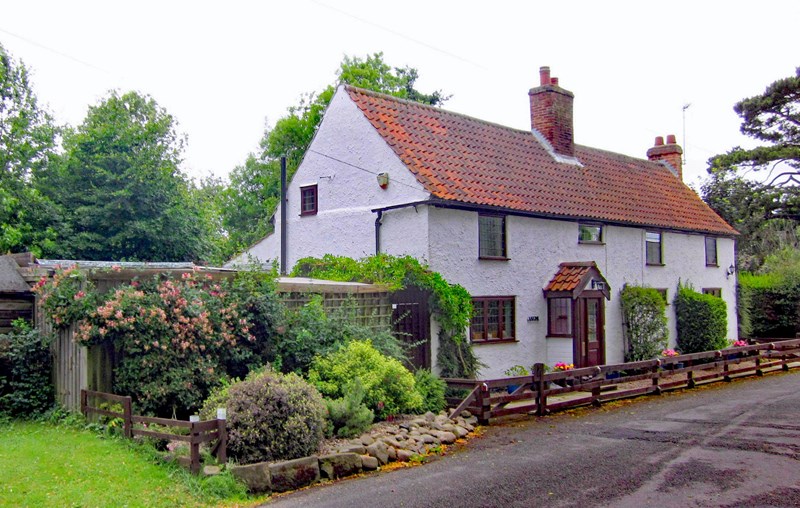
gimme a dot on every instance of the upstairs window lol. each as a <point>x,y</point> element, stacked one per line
<point>492,236</point>
<point>559,317</point>
<point>590,233</point>
<point>653,248</point>
<point>713,292</point>
<point>492,319</point>
<point>711,251</point>
<point>308,200</point>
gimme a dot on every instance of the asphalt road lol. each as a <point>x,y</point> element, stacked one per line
<point>731,445</point>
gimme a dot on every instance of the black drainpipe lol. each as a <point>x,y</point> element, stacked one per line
<point>283,215</point>
<point>378,232</point>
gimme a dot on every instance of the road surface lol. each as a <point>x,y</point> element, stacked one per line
<point>731,445</point>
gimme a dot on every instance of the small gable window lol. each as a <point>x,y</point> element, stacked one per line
<point>713,292</point>
<point>308,200</point>
<point>559,317</point>
<point>492,319</point>
<point>492,237</point>
<point>711,251</point>
<point>654,250</point>
<point>590,233</point>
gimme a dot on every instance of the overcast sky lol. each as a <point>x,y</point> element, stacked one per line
<point>224,68</point>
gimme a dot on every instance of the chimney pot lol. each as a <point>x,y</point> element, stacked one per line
<point>670,153</point>
<point>544,75</point>
<point>659,140</point>
<point>554,81</point>
<point>671,139</point>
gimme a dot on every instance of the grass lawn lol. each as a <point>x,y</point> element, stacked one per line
<point>47,465</point>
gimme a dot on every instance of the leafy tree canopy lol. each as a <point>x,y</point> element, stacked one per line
<point>27,143</point>
<point>767,217</point>
<point>120,186</point>
<point>772,117</point>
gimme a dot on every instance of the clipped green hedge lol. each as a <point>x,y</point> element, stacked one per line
<point>702,321</point>
<point>645,322</point>
<point>769,305</point>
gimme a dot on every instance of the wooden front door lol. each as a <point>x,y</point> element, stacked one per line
<point>590,332</point>
<point>412,325</point>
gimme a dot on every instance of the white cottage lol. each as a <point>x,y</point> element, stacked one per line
<point>542,232</point>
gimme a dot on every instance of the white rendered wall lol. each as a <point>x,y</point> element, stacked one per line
<point>535,249</point>
<point>348,190</point>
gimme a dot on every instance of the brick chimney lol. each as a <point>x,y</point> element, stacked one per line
<point>551,113</point>
<point>670,153</point>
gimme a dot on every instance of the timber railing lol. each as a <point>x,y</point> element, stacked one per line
<point>199,432</point>
<point>494,398</point>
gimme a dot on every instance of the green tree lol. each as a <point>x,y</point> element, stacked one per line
<point>119,183</point>
<point>766,217</point>
<point>27,144</point>
<point>772,117</point>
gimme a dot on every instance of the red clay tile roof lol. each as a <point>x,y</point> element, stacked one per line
<point>462,159</point>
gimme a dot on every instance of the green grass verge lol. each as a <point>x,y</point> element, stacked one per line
<point>42,464</point>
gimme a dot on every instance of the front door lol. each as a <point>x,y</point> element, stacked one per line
<point>590,336</point>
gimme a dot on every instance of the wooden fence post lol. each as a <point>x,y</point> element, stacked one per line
<point>541,398</point>
<point>656,369</point>
<point>127,423</point>
<point>84,401</point>
<point>194,446</point>
<point>222,451</point>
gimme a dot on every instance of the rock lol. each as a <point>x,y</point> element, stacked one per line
<point>466,414</point>
<point>428,439</point>
<point>390,441</point>
<point>255,476</point>
<point>379,450</point>
<point>211,470</point>
<point>472,420</point>
<point>429,416</point>
<point>369,463</point>
<point>338,465</point>
<point>391,451</point>
<point>449,427</point>
<point>294,474</point>
<point>360,449</point>
<point>404,455</point>
<point>367,440</point>
<point>444,436</point>
<point>460,431</point>
<point>419,422</point>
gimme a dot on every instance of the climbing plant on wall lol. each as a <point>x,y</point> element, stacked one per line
<point>451,304</point>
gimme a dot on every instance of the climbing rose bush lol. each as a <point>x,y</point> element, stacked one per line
<point>175,339</point>
<point>65,297</point>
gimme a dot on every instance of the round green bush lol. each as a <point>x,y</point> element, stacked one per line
<point>272,416</point>
<point>389,387</point>
<point>702,321</point>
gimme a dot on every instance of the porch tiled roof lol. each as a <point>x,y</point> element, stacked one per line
<point>465,160</point>
<point>569,276</point>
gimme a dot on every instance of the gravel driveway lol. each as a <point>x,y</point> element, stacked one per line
<point>732,445</point>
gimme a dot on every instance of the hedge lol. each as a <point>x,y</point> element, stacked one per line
<point>702,321</point>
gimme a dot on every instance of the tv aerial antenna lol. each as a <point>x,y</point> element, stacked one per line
<point>685,107</point>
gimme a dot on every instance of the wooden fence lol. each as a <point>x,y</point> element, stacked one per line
<point>494,398</point>
<point>132,425</point>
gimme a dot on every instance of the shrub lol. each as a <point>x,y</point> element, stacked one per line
<point>311,331</point>
<point>389,387</point>
<point>26,386</point>
<point>348,415</point>
<point>431,388</point>
<point>769,302</point>
<point>702,321</point>
<point>645,322</point>
<point>272,416</point>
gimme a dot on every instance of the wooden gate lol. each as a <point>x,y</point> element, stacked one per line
<point>412,325</point>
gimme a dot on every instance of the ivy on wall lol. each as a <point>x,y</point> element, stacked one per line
<point>451,304</point>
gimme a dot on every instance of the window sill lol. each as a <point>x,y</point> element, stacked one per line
<point>558,337</point>
<point>308,214</point>
<point>493,258</point>
<point>715,265</point>
<point>493,341</point>
<point>590,243</point>
<point>655,264</point>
